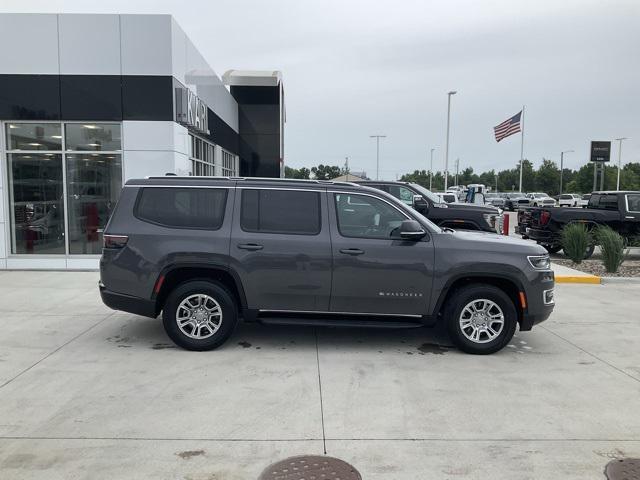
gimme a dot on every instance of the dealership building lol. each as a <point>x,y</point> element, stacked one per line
<point>90,101</point>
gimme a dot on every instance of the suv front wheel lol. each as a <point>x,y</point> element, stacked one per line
<point>199,315</point>
<point>481,319</point>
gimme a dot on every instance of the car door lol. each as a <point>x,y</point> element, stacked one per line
<point>281,248</point>
<point>375,271</point>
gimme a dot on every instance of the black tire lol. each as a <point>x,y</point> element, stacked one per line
<point>554,249</point>
<point>220,295</point>
<point>457,303</point>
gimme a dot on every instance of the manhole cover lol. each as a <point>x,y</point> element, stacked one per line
<point>623,469</point>
<point>310,467</point>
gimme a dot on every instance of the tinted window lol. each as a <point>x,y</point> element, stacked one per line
<point>280,211</point>
<point>604,202</point>
<point>566,197</point>
<point>402,193</point>
<point>633,201</point>
<point>367,217</point>
<point>183,207</point>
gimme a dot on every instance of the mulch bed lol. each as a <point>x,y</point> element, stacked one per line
<point>594,266</point>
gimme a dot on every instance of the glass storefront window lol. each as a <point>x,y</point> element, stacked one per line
<point>43,221</point>
<point>90,137</point>
<point>36,203</point>
<point>34,136</point>
<point>94,182</point>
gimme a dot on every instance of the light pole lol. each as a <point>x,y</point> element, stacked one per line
<point>619,159</point>
<point>562,167</point>
<point>457,168</point>
<point>377,137</point>
<point>446,151</point>
<point>431,171</point>
<point>496,183</point>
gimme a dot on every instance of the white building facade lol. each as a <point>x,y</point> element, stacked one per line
<point>90,101</point>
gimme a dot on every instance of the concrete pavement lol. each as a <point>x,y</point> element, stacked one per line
<point>87,393</point>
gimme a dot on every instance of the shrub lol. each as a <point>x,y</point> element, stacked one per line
<point>613,248</point>
<point>575,241</point>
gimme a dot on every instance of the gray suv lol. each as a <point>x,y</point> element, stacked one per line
<point>206,251</point>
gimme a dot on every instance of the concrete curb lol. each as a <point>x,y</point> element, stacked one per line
<point>631,280</point>
<point>590,279</point>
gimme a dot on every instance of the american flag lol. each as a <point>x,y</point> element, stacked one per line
<point>508,127</point>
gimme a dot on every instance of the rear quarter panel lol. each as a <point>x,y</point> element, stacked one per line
<point>151,248</point>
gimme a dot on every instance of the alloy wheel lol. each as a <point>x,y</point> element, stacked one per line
<point>199,316</point>
<point>481,320</point>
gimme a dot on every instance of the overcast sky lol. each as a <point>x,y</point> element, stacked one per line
<point>357,68</point>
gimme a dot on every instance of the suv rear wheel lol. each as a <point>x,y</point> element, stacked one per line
<point>199,315</point>
<point>481,319</point>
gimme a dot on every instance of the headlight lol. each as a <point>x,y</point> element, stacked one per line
<point>540,262</point>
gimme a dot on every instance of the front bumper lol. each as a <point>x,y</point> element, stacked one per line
<point>540,301</point>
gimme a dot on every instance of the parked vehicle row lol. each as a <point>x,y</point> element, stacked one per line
<point>619,210</point>
<point>205,252</point>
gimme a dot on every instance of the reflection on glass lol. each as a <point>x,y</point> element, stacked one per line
<point>94,182</point>
<point>34,136</point>
<point>93,137</point>
<point>35,189</point>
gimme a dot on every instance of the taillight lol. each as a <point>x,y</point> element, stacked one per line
<point>114,241</point>
<point>544,217</point>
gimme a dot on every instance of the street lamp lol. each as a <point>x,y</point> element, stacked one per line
<point>619,159</point>
<point>457,168</point>
<point>431,171</point>
<point>377,137</point>
<point>446,154</point>
<point>562,166</point>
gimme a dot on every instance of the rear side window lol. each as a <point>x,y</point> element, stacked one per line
<point>633,202</point>
<point>604,202</point>
<point>280,211</point>
<point>201,208</point>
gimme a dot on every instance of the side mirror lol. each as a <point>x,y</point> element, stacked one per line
<point>411,230</point>
<point>419,203</point>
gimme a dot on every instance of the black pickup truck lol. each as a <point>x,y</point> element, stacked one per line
<point>459,216</point>
<point>619,210</point>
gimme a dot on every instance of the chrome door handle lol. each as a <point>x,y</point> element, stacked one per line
<point>351,251</point>
<point>250,246</point>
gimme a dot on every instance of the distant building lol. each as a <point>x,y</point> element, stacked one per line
<point>351,177</point>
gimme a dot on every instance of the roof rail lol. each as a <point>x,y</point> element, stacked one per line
<point>249,179</point>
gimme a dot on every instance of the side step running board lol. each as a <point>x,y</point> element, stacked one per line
<point>339,322</point>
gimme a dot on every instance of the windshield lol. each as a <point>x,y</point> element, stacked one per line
<point>515,195</point>
<point>426,193</point>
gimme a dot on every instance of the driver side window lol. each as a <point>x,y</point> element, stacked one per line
<point>363,216</point>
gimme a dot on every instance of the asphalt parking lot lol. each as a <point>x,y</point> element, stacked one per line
<point>88,393</point>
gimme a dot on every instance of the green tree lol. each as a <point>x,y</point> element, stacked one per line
<point>547,178</point>
<point>326,172</point>
<point>302,173</point>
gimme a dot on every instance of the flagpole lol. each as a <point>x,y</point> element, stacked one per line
<point>522,147</point>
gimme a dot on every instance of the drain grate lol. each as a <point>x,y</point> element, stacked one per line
<point>310,467</point>
<point>623,469</point>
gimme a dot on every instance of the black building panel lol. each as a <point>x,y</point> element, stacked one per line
<point>29,97</point>
<point>147,97</point>
<point>91,97</point>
